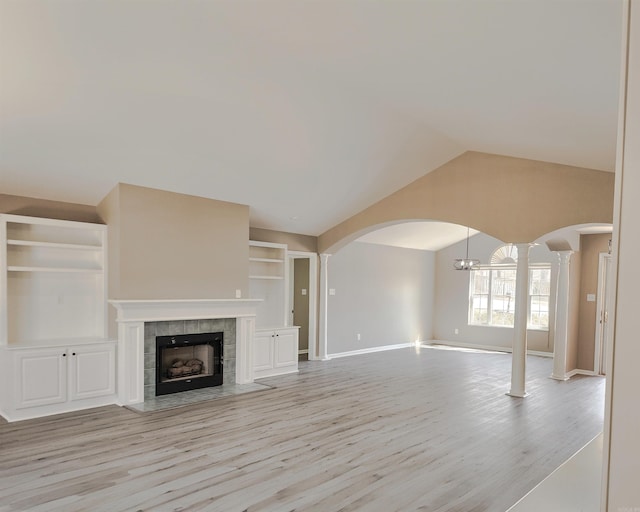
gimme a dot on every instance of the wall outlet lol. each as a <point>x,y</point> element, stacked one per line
<point>238,294</point>
<point>304,291</point>
<point>456,331</point>
<point>358,336</point>
<point>332,291</point>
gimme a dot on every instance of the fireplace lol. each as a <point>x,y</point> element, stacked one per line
<point>141,321</point>
<point>188,361</point>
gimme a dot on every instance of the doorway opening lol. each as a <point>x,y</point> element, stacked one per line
<point>602,314</point>
<point>303,289</point>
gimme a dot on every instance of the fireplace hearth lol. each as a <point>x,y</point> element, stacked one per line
<point>188,361</point>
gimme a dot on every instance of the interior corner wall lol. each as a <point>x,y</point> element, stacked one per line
<point>33,207</point>
<point>591,246</point>
<point>383,293</point>
<point>174,246</point>
<point>451,308</point>
<point>293,241</point>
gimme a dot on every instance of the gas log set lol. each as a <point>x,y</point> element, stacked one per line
<point>181,368</point>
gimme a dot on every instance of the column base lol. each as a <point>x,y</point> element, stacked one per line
<point>559,377</point>
<point>517,395</point>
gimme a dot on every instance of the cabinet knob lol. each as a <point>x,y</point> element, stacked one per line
<point>73,353</point>
<point>64,355</point>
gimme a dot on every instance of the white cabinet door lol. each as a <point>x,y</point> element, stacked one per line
<point>41,377</point>
<point>262,352</point>
<point>285,349</point>
<point>92,371</point>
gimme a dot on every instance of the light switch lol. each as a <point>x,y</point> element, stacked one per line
<point>591,297</point>
<point>304,291</point>
<point>332,291</point>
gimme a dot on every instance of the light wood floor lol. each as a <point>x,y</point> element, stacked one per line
<point>390,431</point>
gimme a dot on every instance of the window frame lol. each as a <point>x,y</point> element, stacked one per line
<point>489,309</point>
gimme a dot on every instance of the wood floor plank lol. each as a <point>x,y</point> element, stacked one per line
<point>405,430</point>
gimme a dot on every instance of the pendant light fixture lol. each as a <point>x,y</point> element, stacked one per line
<point>466,263</point>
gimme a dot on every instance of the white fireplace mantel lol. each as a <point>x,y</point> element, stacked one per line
<point>132,314</point>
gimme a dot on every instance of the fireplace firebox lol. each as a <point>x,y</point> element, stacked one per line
<point>188,361</point>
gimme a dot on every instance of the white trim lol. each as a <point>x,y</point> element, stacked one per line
<point>303,351</point>
<point>183,309</point>
<point>604,260</point>
<point>493,348</point>
<point>578,371</point>
<point>323,307</point>
<point>370,350</point>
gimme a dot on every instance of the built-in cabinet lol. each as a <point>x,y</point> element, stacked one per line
<point>55,355</point>
<point>275,349</point>
<point>58,375</point>
<point>275,352</point>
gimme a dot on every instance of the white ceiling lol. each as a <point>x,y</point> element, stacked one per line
<point>308,111</point>
<point>426,236</point>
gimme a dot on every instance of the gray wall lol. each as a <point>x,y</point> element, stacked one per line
<point>383,293</point>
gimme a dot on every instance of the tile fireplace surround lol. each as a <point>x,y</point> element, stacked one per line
<point>134,315</point>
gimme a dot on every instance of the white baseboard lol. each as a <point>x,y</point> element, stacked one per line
<point>492,348</point>
<point>370,350</point>
<point>581,372</point>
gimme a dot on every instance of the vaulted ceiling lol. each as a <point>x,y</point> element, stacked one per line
<point>308,111</point>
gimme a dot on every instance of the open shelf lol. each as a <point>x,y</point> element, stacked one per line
<point>55,245</point>
<point>268,280</point>
<point>53,281</point>
<point>267,260</point>
<point>16,268</point>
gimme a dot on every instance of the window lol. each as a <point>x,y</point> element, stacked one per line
<point>493,293</point>
<point>539,288</point>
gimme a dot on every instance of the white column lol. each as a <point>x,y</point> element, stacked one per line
<point>324,294</point>
<point>245,333</point>
<point>130,383</point>
<point>519,356</point>
<point>562,318</point>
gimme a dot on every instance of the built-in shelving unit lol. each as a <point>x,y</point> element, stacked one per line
<point>268,280</point>
<point>55,286</point>
<point>53,316</point>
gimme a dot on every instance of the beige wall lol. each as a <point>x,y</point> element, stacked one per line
<point>590,248</point>
<point>511,199</point>
<point>294,242</point>
<point>32,207</point>
<point>173,246</point>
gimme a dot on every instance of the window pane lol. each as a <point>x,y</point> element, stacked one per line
<point>539,289</point>
<point>539,312</point>
<point>539,281</point>
<point>479,297</point>
<point>479,305</point>
<point>503,287</point>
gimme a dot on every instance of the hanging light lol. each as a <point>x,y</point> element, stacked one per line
<point>466,263</point>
